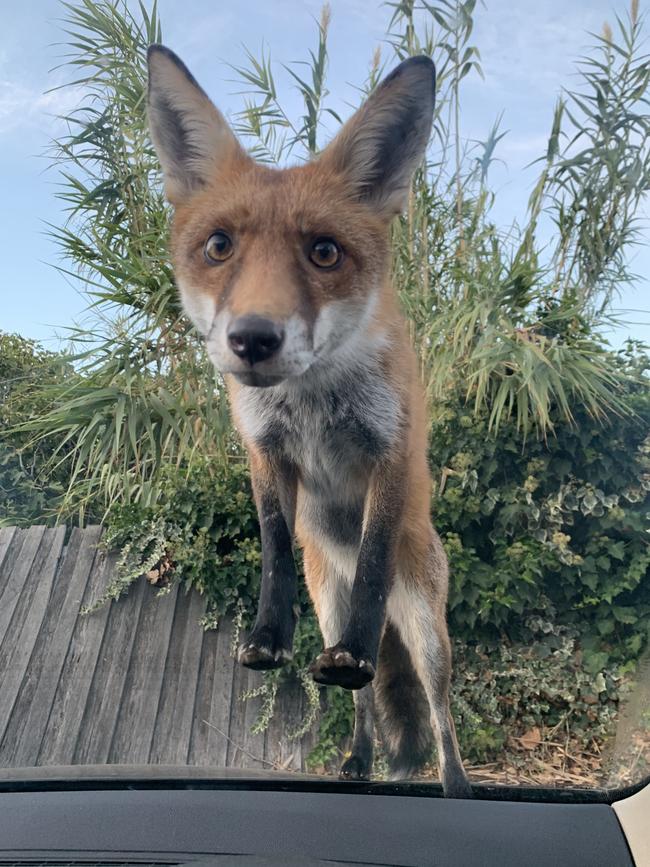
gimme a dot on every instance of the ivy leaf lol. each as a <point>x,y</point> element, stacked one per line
<point>624,614</point>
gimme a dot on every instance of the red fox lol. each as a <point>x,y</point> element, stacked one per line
<point>286,274</point>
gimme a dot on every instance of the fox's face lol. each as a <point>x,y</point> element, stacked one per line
<point>282,269</point>
<point>276,269</point>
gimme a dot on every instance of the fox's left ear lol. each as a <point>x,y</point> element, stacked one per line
<point>381,145</point>
<point>191,137</point>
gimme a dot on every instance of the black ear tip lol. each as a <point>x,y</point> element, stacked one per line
<point>157,50</point>
<point>420,60</point>
<point>421,65</point>
<point>424,64</point>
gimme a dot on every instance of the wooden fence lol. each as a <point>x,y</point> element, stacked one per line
<point>137,682</point>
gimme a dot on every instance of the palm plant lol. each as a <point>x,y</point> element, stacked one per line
<point>595,184</point>
<point>144,394</point>
<point>517,327</point>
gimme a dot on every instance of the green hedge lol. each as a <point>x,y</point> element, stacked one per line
<point>548,547</point>
<point>556,526</point>
<point>28,492</point>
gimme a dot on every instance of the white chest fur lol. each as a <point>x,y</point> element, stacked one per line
<point>333,423</point>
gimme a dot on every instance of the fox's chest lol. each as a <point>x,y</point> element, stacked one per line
<point>333,432</point>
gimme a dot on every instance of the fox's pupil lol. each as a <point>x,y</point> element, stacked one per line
<point>325,253</point>
<point>218,247</point>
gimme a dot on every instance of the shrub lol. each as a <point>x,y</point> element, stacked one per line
<point>28,492</point>
<point>503,690</point>
<point>203,532</point>
<point>537,428</point>
<point>549,525</point>
<point>540,622</point>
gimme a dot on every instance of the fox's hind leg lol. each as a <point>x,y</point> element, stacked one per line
<point>330,593</point>
<point>416,607</point>
<point>402,709</point>
<point>358,765</point>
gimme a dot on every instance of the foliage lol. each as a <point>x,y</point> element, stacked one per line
<point>203,528</point>
<point>27,494</point>
<point>560,525</point>
<point>516,322</point>
<point>538,430</point>
<point>557,529</point>
<point>516,326</point>
<point>595,183</point>
<point>504,690</point>
<point>335,729</point>
<point>146,395</point>
<point>273,135</point>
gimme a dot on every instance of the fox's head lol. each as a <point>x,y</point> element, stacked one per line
<point>280,269</point>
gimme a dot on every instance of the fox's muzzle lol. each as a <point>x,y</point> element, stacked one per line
<point>259,350</point>
<point>254,338</point>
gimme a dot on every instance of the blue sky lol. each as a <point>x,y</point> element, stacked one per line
<point>528,50</point>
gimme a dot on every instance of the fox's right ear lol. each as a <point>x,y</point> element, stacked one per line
<point>191,137</point>
<point>379,148</point>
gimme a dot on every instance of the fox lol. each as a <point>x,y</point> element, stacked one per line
<point>285,272</point>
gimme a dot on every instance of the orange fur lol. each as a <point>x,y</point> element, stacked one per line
<point>337,435</point>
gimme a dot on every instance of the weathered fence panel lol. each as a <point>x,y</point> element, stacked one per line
<point>137,682</point>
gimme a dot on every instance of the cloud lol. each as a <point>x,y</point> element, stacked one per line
<point>535,45</point>
<point>22,105</point>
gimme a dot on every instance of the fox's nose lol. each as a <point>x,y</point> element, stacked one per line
<point>254,338</point>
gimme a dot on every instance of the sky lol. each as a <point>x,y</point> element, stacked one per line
<point>528,49</point>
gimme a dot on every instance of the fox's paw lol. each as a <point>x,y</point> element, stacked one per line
<point>456,785</point>
<point>354,769</point>
<point>263,650</point>
<point>336,666</point>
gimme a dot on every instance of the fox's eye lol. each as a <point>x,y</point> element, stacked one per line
<point>325,253</point>
<point>217,248</point>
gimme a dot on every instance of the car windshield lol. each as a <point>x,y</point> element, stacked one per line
<point>326,452</point>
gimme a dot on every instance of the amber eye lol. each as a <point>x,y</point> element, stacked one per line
<point>325,253</point>
<point>217,248</point>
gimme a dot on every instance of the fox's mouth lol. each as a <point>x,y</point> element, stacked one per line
<point>254,379</point>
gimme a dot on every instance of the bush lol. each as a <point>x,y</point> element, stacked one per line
<point>556,526</point>
<point>538,430</point>
<point>203,532</point>
<point>549,593</point>
<point>504,693</point>
<point>30,491</point>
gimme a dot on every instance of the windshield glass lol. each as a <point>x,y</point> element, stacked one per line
<point>337,468</point>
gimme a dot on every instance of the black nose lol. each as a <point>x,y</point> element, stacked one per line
<point>254,338</point>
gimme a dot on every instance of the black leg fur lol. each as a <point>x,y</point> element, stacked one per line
<point>358,766</point>
<point>402,709</point>
<point>269,645</point>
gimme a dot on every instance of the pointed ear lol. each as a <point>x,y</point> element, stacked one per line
<point>191,137</point>
<point>381,145</point>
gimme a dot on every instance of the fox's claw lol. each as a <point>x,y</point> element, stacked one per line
<point>263,651</point>
<point>336,666</point>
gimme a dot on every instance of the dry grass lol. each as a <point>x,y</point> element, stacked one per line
<point>554,763</point>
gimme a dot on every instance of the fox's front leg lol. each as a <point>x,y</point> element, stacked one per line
<point>269,644</point>
<point>352,662</point>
